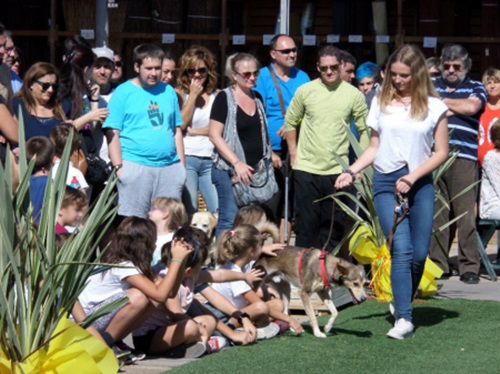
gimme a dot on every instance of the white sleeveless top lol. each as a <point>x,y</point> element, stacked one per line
<point>199,145</point>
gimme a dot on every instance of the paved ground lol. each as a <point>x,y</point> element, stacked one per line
<point>451,288</point>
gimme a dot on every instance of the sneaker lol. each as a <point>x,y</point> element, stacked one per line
<point>216,344</point>
<point>123,357</point>
<point>469,278</point>
<point>195,350</point>
<point>402,329</point>
<point>392,309</point>
<point>284,326</point>
<point>139,355</point>
<point>268,331</point>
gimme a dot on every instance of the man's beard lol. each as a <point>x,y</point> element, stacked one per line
<point>453,84</point>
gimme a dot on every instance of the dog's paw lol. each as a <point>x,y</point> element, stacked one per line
<point>319,334</point>
<point>328,328</point>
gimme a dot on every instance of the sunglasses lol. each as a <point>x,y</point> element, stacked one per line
<point>248,74</point>
<point>287,51</point>
<point>325,69</point>
<point>456,67</point>
<point>193,71</point>
<point>118,64</point>
<point>435,75</point>
<point>46,85</point>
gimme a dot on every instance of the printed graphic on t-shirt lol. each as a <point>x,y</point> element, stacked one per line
<point>154,114</point>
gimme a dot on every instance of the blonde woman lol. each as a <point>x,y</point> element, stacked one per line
<point>406,119</point>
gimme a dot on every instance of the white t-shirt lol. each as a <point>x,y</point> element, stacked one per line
<point>199,145</point>
<point>403,140</point>
<point>75,177</point>
<point>234,291</point>
<point>489,203</point>
<point>161,240</point>
<point>104,285</point>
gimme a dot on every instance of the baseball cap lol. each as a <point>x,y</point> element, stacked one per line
<point>104,52</point>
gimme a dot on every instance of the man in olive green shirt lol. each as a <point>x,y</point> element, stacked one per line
<point>322,109</point>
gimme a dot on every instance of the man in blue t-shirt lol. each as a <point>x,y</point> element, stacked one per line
<point>144,136</point>
<point>465,99</point>
<point>283,53</point>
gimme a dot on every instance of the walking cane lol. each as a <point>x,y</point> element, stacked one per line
<point>286,166</point>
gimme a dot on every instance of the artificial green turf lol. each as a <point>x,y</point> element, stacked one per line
<point>452,336</point>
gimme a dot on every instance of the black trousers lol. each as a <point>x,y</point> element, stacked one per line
<point>313,219</point>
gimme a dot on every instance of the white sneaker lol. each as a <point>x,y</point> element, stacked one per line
<point>402,329</point>
<point>392,309</point>
<point>268,331</point>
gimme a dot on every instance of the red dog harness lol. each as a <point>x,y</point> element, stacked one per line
<point>322,266</point>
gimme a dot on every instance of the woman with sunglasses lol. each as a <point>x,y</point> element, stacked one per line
<point>244,111</point>
<point>39,102</point>
<point>196,87</point>
<point>78,89</point>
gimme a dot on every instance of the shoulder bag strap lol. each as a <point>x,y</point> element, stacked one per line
<point>277,85</point>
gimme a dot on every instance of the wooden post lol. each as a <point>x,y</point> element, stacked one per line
<point>53,31</point>
<point>400,32</point>
<point>380,22</point>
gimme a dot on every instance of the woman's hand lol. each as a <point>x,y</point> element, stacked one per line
<point>196,87</point>
<point>244,172</point>
<point>296,326</point>
<point>250,329</point>
<point>276,160</point>
<point>404,184</point>
<point>344,180</point>
<point>94,91</point>
<point>271,249</point>
<point>99,114</point>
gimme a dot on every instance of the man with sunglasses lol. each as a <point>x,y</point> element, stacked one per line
<point>322,109</point>
<point>280,75</point>
<point>466,99</point>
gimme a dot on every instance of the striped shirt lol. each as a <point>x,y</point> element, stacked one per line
<point>464,129</point>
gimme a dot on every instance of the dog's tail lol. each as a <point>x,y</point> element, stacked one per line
<point>270,229</point>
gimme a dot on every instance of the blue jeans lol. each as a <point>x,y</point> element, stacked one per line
<point>412,236</point>
<point>227,205</point>
<point>199,177</point>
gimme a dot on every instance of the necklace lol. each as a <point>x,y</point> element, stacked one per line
<point>406,105</point>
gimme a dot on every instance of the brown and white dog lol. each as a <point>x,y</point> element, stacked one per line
<point>285,268</point>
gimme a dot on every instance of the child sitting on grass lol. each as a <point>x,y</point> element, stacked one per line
<point>168,214</point>
<point>131,249</point>
<point>170,330</point>
<point>42,151</point>
<point>73,207</point>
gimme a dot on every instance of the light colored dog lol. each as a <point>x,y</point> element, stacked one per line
<point>285,266</point>
<point>207,222</point>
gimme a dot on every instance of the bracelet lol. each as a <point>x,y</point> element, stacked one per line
<point>94,101</point>
<point>241,316</point>
<point>177,260</point>
<point>350,172</point>
<point>236,163</point>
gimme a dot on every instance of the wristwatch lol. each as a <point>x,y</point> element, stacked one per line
<point>117,167</point>
<point>241,316</point>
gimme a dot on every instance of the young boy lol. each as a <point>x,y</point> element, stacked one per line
<point>42,150</point>
<point>59,136</point>
<point>73,207</point>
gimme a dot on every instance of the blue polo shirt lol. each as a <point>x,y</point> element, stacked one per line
<point>464,129</point>
<point>265,86</point>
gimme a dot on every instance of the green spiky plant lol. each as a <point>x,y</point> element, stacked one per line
<point>40,282</point>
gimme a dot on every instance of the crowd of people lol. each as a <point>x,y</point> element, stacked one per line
<point>171,135</point>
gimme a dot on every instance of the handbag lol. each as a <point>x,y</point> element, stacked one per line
<point>261,188</point>
<point>98,171</point>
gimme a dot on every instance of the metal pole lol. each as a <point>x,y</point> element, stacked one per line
<point>102,30</point>
<point>284,16</point>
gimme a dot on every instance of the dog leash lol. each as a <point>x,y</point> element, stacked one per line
<point>401,209</point>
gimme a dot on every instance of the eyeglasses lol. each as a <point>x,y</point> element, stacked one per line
<point>46,85</point>
<point>248,74</point>
<point>118,64</point>
<point>287,51</point>
<point>456,67</point>
<point>193,71</point>
<point>435,74</point>
<point>333,68</point>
